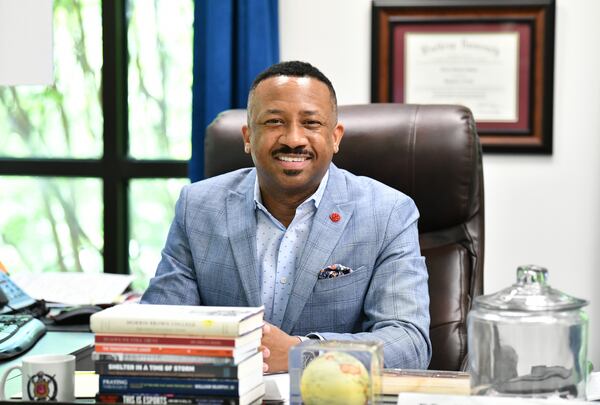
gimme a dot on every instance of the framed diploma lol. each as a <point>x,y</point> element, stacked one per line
<point>494,56</point>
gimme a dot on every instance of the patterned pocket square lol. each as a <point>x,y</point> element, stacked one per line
<point>334,270</point>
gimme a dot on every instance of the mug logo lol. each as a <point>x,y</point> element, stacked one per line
<point>42,387</point>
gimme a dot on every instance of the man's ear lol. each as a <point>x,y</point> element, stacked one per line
<point>338,134</point>
<point>246,136</point>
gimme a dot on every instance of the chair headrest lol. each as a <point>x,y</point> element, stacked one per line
<point>430,152</point>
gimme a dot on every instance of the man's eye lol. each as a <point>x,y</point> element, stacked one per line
<point>273,122</point>
<point>312,124</point>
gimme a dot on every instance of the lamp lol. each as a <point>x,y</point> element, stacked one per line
<point>25,42</point>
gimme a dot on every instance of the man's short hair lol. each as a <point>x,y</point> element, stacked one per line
<point>295,68</point>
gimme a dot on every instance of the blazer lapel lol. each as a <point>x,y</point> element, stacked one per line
<point>241,227</point>
<point>322,239</point>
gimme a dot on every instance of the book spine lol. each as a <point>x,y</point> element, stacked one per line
<point>161,349</point>
<point>152,385</point>
<point>157,399</point>
<point>162,358</point>
<point>165,369</point>
<point>173,326</point>
<point>163,340</point>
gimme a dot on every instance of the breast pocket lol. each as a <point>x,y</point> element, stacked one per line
<point>341,282</point>
<point>336,303</point>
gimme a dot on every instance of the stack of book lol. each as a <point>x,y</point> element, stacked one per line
<point>174,354</point>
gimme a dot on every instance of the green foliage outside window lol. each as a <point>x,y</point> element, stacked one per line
<point>55,224</point>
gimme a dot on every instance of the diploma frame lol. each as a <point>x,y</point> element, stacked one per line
<point>532,22</point>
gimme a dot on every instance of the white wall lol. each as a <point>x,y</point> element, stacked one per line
<point>539,209</point>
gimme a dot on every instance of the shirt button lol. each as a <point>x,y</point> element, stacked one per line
<point>283,280</point>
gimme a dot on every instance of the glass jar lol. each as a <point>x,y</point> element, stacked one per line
<point>528,340</point>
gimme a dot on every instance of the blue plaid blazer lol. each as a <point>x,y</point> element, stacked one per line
<point>210,259</point>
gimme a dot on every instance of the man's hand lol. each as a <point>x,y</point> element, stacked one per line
<point>275,347</point>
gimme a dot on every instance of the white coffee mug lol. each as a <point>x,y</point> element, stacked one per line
<point>46,377</point>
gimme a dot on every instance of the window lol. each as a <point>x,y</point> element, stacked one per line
<point>91,166</point>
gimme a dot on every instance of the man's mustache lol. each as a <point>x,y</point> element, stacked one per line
<point>293,151</point>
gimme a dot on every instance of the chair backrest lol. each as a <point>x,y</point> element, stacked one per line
<point>430,152</point>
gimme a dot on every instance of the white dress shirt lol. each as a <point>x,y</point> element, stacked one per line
<point>277,249</point>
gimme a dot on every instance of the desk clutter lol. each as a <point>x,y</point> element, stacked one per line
<point>167,354</point>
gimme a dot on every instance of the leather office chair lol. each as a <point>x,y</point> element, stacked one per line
<point>431,153</point>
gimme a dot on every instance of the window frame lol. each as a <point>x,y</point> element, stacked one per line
<point>115,168</point>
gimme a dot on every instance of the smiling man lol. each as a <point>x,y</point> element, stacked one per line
<point>329,254</point>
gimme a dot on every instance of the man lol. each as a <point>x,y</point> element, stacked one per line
<point>330,255</point>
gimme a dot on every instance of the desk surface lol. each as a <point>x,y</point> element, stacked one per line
<point>78,343</point>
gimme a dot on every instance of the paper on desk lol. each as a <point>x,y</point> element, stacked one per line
<point>74,288</point>
<point>86,384</point>
<point>277,387</point>
<point>409,398</point>
<point>593,386</point>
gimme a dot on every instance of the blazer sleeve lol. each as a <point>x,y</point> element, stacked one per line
<point>396,305</point>
<point>175,280</point>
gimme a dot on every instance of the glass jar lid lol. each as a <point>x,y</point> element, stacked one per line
<point>531,292</point>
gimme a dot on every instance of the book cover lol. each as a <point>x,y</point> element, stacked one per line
<point>165,358</point>
<point>187,386</point>
<point>395,381</point>
<point>164,339</point>
<point>177,320</point>
<point>253,364</point>
<point>252,397</point>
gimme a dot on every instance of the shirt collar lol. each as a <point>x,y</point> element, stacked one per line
<point>316,197</point>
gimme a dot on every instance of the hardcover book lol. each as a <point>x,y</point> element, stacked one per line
<point>167,339</point>
<point>185,350</point>
<point>181,350</point>
<point>395,381</point>
<point>252,397</point>
<point>109,384</point>
<point>177,320</point>
<point>166,358</point>
<point>251,365</point>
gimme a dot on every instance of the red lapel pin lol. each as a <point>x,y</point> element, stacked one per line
<point>335,217</point>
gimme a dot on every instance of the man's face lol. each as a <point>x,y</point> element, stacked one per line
<point>292,134</point>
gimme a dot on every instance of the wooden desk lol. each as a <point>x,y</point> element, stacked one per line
<point>81,344</point>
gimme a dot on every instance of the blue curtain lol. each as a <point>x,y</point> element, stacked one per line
<point>234,40</point>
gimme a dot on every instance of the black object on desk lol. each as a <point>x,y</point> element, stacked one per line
<point>75,315</point>
<point>70,319</point>
<point>18,333</point>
